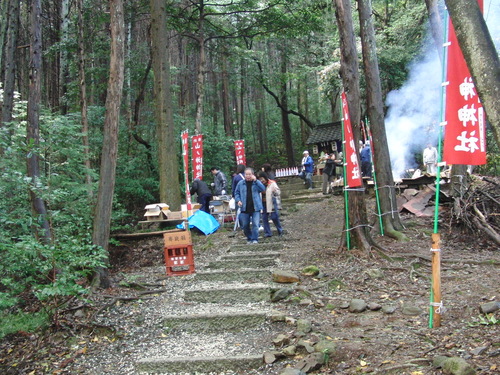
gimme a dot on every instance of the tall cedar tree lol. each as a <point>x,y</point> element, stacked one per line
<point>102,213</point>
<point>349,71</point>
<point>168,143</point>
<point>42,230</point>
<point>380,148</point>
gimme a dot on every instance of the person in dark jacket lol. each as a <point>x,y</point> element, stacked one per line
<point>220,181</point>
<point>238,176</point>
<point>328,172</point>
<point>248,198</point>
<point>200,188</point>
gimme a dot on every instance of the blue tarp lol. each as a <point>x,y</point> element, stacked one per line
<point>203,221</point>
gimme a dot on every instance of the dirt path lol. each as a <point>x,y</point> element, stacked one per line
<point>392,339</point>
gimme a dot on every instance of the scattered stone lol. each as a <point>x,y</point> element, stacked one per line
<point>312,362</point>
<point>357,305</point>
<point>304,325</point>
<point>412,310</point>
<point>375,273</point>
<point>281,294</point>
<point>281,340</point>
<point>285,277</point>
<point>306,345</point>
<point>389,309</point>
<point>373,306</point>
<point>326,347</point>
<point>292,371</point>
<point>344,305</point>
<point>319,304</point>
<point>277,316</point>
<point>490,307</point>
<point>269,357</point>
<point>290,351</point>
<point>306,301</point>
<point>290,321</point>
<point>310,271</point>
<point>453,365</point>
<point>479,350</point>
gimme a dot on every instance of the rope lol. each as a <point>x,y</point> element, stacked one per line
<point>440,308</point>
<point>358,226</point>
<point>358,189</point>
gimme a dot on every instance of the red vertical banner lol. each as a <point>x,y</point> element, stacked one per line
<point>465,130</point>
<point>353,171</point>
<point>239,149</point>
<point>185,159</point>
<point>197,156</point>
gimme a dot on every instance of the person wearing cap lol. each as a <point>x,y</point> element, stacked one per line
<point>308,168</point>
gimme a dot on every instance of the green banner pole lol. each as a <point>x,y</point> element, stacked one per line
<point>377,199</point>
<point>346,197</point>
<point>435,295</point>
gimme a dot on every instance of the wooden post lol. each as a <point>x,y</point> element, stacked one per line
<point>436,279</point>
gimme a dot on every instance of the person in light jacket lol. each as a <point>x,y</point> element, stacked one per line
<point>430,157</point>
<point>247,197</point>
<point>271,201</point>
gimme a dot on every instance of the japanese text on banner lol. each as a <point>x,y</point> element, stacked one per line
<point>465,131</point>
<point>353,172</point>
<point>239,149</point>
<point>197,156</point>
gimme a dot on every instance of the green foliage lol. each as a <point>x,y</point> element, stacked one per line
<point>49,272</point>
<point>485,320</point>
<point>492,166</point>
<point>21,321</point>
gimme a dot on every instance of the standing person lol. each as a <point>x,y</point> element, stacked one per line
<point>271,203</point>
<point>237,177</point>
<point>220,181</point>
<point>307,168</point>
<point>328,173</point>
<point>204,195</point>
<point>366,160</point>
<point>248,198</point>
<point>266,167</point>
<point>430,157</point>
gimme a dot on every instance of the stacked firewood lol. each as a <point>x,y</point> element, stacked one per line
<point>478,209</point>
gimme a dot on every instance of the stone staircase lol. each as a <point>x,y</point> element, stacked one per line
<point>229,296</point>
<point>228,328</point>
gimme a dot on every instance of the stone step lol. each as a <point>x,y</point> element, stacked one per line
<point>250,255</point>
<point>229,321</point>
<point>201,365</point>
<point>249,293</point>
<point>248,275</point>
<point>233,264</point>
<point>306,199</point>
<point>261,246</point>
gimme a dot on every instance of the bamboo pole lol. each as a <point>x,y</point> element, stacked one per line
<point>436,280</point>
<point>435,297</point>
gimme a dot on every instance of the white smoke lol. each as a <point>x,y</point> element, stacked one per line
<point>414,111</point>
<point>413,114</point>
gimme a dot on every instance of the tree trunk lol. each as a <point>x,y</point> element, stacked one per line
<point>168,143</point>
<point>83,98</point>
<point>63,56</point>
<point>480,54</point>
<point>226,102</point>
<point>200,81</point>
<point>42,228</point>
<point>285,120</point>
<point>10,61</point>
<point>380,148</point>
<point>4,17</point>
<point>436,25</point>
<point>102,214</point>
<point>349,72</point>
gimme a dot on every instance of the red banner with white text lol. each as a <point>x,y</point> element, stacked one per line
<point>353,171</point>
<point>197,156</point>
<point>185,159</point>
<point>465,130</point>
<point>239,150</point>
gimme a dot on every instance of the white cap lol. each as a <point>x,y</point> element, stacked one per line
<point>305,152</point>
